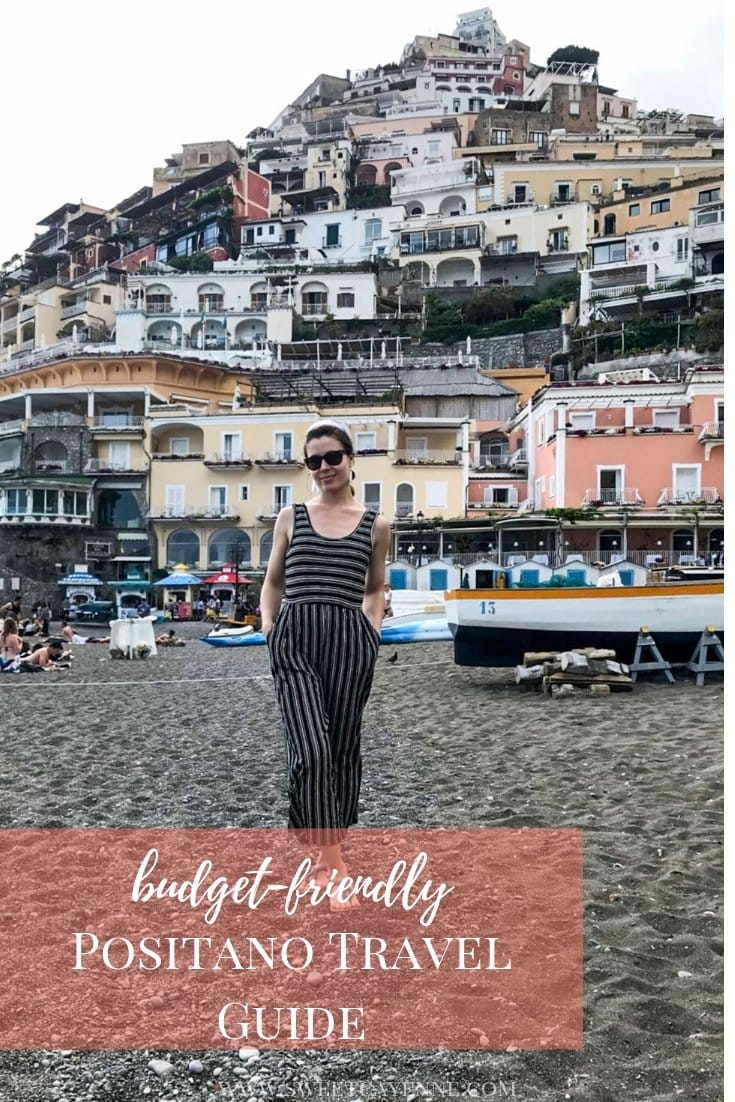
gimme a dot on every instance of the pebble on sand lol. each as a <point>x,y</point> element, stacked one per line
<point>161,1067</point>
<point>247,1053</point>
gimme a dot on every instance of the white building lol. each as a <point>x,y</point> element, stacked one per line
<point>230,310</point>
<point>324,237</point>
<point>480,29</point>
<point>621,266</point>
<point>439,189</point>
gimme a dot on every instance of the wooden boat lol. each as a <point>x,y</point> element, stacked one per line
<point>495,627</point>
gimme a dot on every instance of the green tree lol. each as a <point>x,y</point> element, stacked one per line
<point>581,54</point>
<point>709,331</point>
<point>490,304</point>
<point>443,320</point>
<point>197,262</point>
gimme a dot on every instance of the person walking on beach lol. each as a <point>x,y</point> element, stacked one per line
<point>322,605</point>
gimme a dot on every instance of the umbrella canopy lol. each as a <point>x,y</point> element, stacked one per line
<point>178,579</point>
<point>226,576</point>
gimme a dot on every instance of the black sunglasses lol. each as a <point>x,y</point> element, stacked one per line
<point>314,462</point>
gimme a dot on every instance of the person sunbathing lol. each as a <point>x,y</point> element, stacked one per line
<point>43,657</point>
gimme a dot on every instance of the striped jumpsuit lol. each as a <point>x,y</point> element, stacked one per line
<point>322,651</point>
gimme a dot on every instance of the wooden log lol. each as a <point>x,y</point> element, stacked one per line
<point>534,658</point>
<point>563,690</point>
<point>601,653</point>
<point>599,690</point>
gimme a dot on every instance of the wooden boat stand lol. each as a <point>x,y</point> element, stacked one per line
<point>646,642</point>
<point>700,663</point>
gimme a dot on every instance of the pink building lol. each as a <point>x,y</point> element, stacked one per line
<point>646,456</point>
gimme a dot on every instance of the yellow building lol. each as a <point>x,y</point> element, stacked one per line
<point>557,182</point>
<point>43,316</point>
<point>218,481</point>
<point>659,207</point>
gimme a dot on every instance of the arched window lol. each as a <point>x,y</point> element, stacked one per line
<point>367,176</point>
<point>266,546</point>
<point>404,499</point>
<point>50,456</point>
<point>313,299</point>
<point>415,210</point>
<point>183,546</point>
<point>452,206</point>
<point>119,509</point>
<point>158,299</point>
<point>392,166</point>
<point>258,296</point>
<point>228,545</point>
<point>211,297</point>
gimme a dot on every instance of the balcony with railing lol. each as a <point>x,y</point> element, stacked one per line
<point>118,426</point>
<point>9,325</point>
<point>446,239</point>
<point>518,459</point>
<point>269,510</point>
<point>192,512</point>
<point>278,459</point>
<point>27,313</point>
<point>159,307</point>
<point>173,457</point>
<point>109,466</point>
<point>9,466</point>
<point>705,495</point>
<point>74,309</point>
<point>12,428</point>
<point>235,459</point>
<point>428,459</point>
<point>497,461</point>
<point>710,431</point>
<point>597,498</point>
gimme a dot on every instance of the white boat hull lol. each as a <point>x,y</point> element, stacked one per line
<point>496,627</point>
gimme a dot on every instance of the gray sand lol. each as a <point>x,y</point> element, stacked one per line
<point>193,739</point>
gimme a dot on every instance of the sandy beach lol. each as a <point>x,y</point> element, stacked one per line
<point>192,739</point>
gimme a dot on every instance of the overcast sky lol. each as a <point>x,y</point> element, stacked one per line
<point>95,94</point>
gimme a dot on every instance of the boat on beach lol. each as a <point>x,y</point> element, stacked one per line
<point>495,627</point>
<point>420,626</point>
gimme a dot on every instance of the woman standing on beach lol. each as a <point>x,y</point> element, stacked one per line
<point>322,606</point>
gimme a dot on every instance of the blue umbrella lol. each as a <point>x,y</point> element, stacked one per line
<point>178,579</point>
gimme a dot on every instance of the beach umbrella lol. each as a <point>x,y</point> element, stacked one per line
<point>226,576</point>
<point>177,579</point>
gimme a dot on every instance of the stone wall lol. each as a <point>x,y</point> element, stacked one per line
<point>514,350</point>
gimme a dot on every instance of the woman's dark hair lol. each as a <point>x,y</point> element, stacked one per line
<point>9,627</point>
<point>330,428</point>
